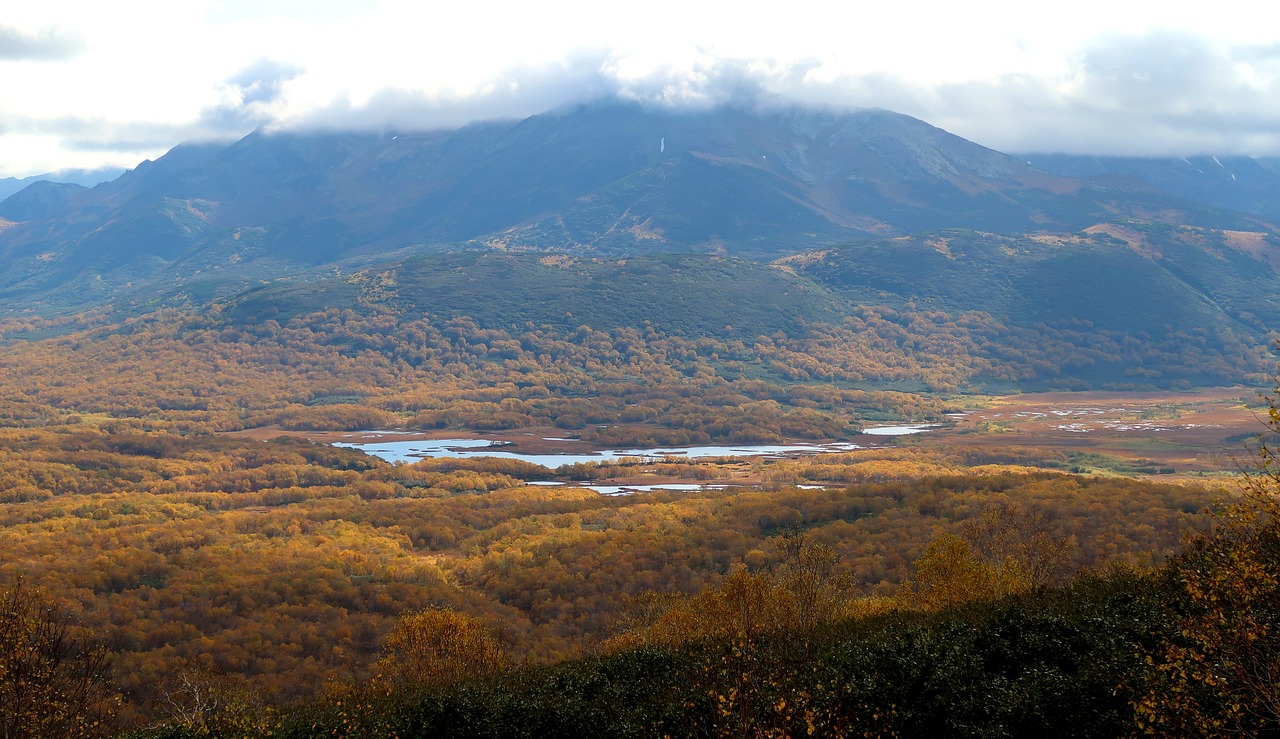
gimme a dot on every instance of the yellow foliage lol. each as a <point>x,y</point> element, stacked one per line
<point>1219,674</point>
<point>52,678</point>
<point>804,590</point>
<point>948,574</point>
<point>437,646</point>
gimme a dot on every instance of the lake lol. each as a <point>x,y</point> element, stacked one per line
<point>413,450</point>
<point>915,428</point>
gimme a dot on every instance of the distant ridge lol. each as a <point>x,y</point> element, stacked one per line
<point>609,179</point>
<point>39,200</point>
<point>1240,183</point>
<point>81,177</point>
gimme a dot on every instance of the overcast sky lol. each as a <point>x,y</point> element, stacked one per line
<point>89,83</point>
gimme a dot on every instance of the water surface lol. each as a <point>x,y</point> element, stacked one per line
<point>411,451</point>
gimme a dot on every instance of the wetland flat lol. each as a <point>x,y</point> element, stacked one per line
<point>1194,431</point>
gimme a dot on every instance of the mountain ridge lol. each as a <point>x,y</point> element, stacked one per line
<point>1239,182</point>
<point>607,180</point>
<point>727,225</point>
<point>81,177</point>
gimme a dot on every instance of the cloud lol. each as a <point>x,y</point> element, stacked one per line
<point>516,92</point>
<point>525,90</point>
<point>263,80</point>
<point>249,99</point>
<point>92,134</point>
<point>1161,93</point>
<point>1156,93</point>
<point>48,44</point>
<point>706,81</point>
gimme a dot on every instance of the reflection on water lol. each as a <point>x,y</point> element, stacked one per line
<point>915,428</point>
<point>668,486</point>
<point>411,451</point>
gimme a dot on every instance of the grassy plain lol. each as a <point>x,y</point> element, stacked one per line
<point>1196,433</point>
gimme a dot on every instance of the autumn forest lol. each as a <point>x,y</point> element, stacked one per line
<point>1019,475</point>
<point>238,583</point>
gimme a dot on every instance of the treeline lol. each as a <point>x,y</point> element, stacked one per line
<point>343,369</point>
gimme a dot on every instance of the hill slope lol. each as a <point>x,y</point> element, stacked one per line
<point>1131,277</point>
<point>1241,183</point>
<point>688,295</point>
<point>1121,305</point>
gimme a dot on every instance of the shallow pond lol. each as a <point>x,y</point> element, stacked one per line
<point>411,451</point>
<point>915,428</point>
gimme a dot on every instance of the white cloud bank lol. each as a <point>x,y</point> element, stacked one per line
<point>90,83</point>
<point>48,43</point>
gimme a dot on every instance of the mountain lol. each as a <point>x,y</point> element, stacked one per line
<point>727,225</point>
<point>81,177</point>
<point>1139,278</point>
<point>1240,183</point>
<point>605,180</point>
<point>39,200</point>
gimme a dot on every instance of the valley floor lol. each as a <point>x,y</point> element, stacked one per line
<point>1177,435</point>
<point>1197,433</point>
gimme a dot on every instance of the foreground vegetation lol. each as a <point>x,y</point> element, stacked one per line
<point>1064,662</point>
<point>985,638</point>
